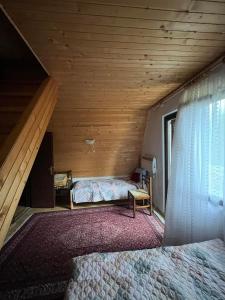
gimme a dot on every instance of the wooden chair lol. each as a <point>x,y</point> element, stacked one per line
<point>142,195</point>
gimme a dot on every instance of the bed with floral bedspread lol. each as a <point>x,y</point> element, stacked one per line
<point>102,189</point>
<point>193,271</point>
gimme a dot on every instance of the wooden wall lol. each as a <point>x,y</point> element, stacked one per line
<point>14,97</point>
<point>20,75</point>
<point>118,134</point>
<point>113,60</point>
<point>18,152</point>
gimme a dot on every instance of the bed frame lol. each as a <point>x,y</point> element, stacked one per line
<point>95,204</point>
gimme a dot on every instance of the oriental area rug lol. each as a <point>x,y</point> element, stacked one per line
<point>36,262</point>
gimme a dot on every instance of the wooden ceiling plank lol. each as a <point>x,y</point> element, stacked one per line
<point>162,24</point>
<point>213,12</point>
<point>167,5</point>
<point>71,51</point>
<point>65,27</point>
<point>209,7</point>
<point>198,12</point>
<point>68,37</point>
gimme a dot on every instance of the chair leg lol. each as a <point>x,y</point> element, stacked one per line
<point>71,200</point>
<point>134,207</point>
<point>128,199</point>
<point>150,206</point>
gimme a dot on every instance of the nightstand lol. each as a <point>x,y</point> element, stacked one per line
<point>62,196</point>
<point>63,186</point>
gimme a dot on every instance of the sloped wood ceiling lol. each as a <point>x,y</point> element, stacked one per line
<point>113,59</point>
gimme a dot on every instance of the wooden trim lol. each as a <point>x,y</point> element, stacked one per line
<point>20,149</point>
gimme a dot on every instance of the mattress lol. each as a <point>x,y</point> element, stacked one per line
<point>193,271</point>
<point>102,190</point>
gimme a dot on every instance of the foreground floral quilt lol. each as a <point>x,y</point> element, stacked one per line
<point>194,271</point>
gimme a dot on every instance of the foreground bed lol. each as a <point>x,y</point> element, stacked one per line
<point>194,271</point>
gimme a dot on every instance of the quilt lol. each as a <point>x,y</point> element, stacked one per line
<point>193,271</point>
<point>102,190</point>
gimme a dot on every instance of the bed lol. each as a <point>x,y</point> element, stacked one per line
<point>193,271</point>
<point>102,189</point>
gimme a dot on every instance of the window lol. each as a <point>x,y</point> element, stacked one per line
<point>169,125</point>
<point>216,132</point>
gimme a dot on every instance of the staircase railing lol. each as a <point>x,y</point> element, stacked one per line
<point>19,151</point>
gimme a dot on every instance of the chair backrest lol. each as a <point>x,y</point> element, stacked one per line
<point>147,181</point>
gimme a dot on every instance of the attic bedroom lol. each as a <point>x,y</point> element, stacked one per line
<point>112,149</point>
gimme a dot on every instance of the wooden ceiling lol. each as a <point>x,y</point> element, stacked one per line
<point>120,56</point>
<point>137,49</point>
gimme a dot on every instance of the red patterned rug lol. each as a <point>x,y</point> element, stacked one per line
<point>35,263</point>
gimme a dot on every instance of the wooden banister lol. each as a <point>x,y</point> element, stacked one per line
<point>19,151</point>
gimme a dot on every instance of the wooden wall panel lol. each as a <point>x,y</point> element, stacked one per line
<point>113,60</point>
<point>118,134</point>
<point>18,152</point>
<point>14,97</point>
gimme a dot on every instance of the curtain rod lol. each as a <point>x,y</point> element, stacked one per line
<point>203,72</point>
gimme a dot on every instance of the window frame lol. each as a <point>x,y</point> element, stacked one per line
<point>165,119</point>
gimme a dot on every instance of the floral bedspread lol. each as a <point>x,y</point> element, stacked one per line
<point>102,190</point>
<point>194,271</point>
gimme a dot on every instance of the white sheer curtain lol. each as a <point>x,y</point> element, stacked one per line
<point>196,194</point>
